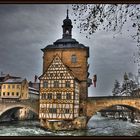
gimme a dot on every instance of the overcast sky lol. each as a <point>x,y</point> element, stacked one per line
<point>25,29</point>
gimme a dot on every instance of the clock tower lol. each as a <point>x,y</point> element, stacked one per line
<point>64,82</point>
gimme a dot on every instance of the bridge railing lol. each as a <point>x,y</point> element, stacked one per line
<point>112,97</point>
<point>17,101</point>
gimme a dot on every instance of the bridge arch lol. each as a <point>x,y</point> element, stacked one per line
<point>132,108</point>
<point>97,104</point>
<point>17,106</point>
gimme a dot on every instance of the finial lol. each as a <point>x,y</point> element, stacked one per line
<point>67,13</point>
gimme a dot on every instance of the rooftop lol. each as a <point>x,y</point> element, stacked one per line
<point>12,80</point>
<point>4,77</point>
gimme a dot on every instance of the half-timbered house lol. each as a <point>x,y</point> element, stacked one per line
<point>59,92</point>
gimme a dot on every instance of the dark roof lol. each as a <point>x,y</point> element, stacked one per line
<point>64,43</point>
<point>7,76</point>
<point>12,80</point>
<point>66,40</point>
<point>1,79</point>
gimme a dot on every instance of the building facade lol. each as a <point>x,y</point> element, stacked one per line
<point>14,89</point>
<point>64,82</point>
<point>4,77</point>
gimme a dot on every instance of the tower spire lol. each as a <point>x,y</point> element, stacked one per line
<point>67,26</point>
<point>67,13</point>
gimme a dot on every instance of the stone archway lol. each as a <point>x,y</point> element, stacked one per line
<point>19,107</point>
<point>96,104</point>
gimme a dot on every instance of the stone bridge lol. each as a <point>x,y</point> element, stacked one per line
<point>32,105</point>
<point>95,104</point>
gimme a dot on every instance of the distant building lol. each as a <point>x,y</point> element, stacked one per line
<point>14,88</point>
<point>33,94</point>
<point>34,85</point>
<point>4,77</point>
<point>34,89</point>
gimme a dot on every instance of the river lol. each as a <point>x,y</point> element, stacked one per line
<point>97,126</point>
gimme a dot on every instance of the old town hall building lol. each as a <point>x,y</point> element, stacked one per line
<point>63,84</point>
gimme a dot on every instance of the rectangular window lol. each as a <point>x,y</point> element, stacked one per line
<point>17,93</point>
<point>52,110</point>
<point>18,86</point>
<point>67,111</point>
<point>8,86</point>
<point>4,86</point>
<point>45,84</point>
<point>12,93</point>
<point>58,96</point>
<point>8,93</point>
<point>68,96</point>
<point>3,93</point>
<point>49,96</point>
<point>56,84</point>
<point>73,59</point>
<point>67,84</point>
<point>61,74</point>
<point>43,95</point>
<point>13,86</point>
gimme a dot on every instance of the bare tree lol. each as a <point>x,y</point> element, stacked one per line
<point>126,88</point>
<point>109,17</point>
<point>117,88</point>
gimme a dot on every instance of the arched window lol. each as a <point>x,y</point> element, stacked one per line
<point>73,58</point>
